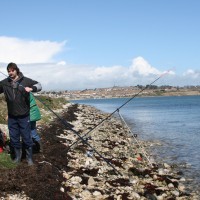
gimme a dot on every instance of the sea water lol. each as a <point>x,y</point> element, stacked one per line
<point>173,121</point>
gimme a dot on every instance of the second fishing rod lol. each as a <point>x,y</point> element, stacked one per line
<point>67,125</point>
<point>106,118</point>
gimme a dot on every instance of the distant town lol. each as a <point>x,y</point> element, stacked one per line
<point>128,91</point>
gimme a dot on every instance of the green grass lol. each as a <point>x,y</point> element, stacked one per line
<point>159,93</point>
<point>6,161</point>
<point>53,103</point>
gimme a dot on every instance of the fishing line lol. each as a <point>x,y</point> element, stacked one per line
<point>129,130</point>
<point>66,124</point>
<point>106,118</point>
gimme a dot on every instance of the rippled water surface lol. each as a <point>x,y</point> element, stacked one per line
<point>174,121</point>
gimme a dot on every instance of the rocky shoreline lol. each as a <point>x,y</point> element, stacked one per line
<point>77,172</point>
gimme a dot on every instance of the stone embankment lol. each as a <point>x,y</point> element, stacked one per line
<point>90,177</point>
<point>78,172</point>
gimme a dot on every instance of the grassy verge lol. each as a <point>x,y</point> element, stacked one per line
<point>53,103</point>
<point>6,161</point>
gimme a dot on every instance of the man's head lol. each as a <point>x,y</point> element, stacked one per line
<point>13,70</point>
<point>13,66</point>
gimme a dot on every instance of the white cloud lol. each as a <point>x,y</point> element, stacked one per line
<point>35,59</point>
<point>171,72</point>
<point>141,67</point>
<point>192,73</point>
<point>28,51</point>
<point>63,76</point>
<point>103,73</point>
<point>62,63</point>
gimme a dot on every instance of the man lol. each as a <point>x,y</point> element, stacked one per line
<point>16,89</point>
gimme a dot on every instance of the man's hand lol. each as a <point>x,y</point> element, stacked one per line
<point>28,89</point>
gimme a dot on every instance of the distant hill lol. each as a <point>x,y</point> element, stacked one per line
<point>118,92</point>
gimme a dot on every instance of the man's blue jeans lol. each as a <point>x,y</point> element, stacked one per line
<point>34,133</point>
<point>19,126</point>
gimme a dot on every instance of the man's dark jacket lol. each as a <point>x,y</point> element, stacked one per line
<point>18,100</point>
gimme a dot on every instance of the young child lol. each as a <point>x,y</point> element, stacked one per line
<point>35,115</point>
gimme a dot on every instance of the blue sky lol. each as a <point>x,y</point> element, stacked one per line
<point>83,44</point>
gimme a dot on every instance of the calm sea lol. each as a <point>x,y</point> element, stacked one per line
<point>172,121</point>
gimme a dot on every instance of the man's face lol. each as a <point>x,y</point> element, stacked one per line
<point>12,73</point>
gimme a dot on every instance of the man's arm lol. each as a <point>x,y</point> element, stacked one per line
<point>33,86</point>
<point>37,87</point>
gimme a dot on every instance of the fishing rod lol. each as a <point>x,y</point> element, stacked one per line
<point>147,86</point>
<point>66,124</point>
